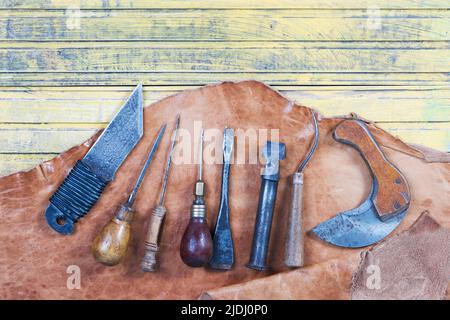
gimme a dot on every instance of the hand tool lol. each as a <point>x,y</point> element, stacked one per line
<point>388,200</point>
<point>273,153</point>
<point>196,244</point>
<point>294,250</point>
<point>83,186</point>
<point>150,260</point>
<point>223,249</point>
<point>110,245</point>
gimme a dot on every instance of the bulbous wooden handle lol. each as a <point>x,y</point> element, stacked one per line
<point>110,245</point>
<point>150,261</point>
<point>196,244</point>
<point>392,189</point>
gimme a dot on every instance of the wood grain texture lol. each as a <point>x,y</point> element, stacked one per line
<point>225,25</point>
<point>64,72</point>
<point>222,4</point>
<point>393,195</point>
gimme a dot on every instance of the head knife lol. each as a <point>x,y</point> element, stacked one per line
<point>83,186</point>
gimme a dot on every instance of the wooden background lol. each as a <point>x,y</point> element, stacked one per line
<point>64,72</point>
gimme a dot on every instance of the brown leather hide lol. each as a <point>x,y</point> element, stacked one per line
<point>34,258</point>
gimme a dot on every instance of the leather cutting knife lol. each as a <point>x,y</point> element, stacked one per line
<point>386,204</point>
<point>83,186</point>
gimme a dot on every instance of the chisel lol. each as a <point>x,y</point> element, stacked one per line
<point>150,260</point>
<point>110,245</point>
<point>223,249</point>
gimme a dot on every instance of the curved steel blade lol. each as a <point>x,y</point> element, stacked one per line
<point>358,227</point>
<point>118,139</point>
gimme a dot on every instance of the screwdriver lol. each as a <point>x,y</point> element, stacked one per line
<point>110,245</point>
<point>150,260</point>
<point>294,250</point>
<point>196,245</point>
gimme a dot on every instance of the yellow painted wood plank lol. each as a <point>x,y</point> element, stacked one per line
<point>10,163</point>
<point>433,135</point>
<point>55,138</point>
<point>99,104</point>
<point>66,79</point>
<point>225,57</point>
<point>206,4</point>
<point>225,25</point>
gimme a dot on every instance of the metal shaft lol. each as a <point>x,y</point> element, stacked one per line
<point>200,171</point>
<point>223,250</point>
<point>146,165</point>
<point>169,161</point>
<point>273,152</point>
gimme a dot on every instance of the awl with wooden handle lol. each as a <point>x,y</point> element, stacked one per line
<point>150,261</point>
<point>110,245</point>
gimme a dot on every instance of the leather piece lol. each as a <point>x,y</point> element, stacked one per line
<point>35,258</point>
<point>329,280</point>
<point>412,265</point>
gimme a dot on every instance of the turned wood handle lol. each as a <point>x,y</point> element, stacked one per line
<point>294,251</point>
<point>393,192</point>
<point>150,261</point>
<point>110,245</point>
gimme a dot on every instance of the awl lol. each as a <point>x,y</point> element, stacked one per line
<point>110,245</point>
<point>150,261</point>
<point>85,183</point>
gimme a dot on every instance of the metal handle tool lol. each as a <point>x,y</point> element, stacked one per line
<point>294,250</point>
<point>223,250</point>
<point>273,153</point>
<point>110,245</point>
<point>150,261</point>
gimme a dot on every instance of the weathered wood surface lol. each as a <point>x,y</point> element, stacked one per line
<point>64,71</point>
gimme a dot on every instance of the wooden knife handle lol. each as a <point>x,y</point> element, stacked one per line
<point>393,194</point>
<point>150,261</point>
